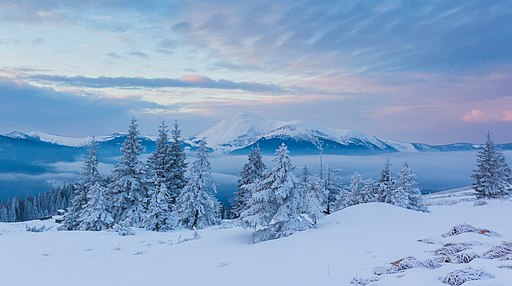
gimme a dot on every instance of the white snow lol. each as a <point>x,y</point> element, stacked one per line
<point>355,242</point>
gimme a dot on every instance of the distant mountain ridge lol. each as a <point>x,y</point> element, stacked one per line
<point>236,135</point>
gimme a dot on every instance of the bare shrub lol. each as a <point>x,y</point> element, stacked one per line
<point>467,228</point>
<point>503,251</point>
<point>461,276</point>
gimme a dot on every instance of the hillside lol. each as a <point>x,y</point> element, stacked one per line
<point>356,242</point>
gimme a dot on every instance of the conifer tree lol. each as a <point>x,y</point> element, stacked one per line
<point>253,171</point>
<point>159,171</point>
<point>490,178</point>
<point>128,189</point>
<point>158,216</point>
<point>335,198</point>
<point>159,163</point>
<point>88,178</point>
<point>196,206</point>
<point>407,193</point>
<point>276,202</point>
<point>385,183</point>
<point>178,166</point>
<point>356,193</point>
<point>96,215</point>
<point>313,193</point>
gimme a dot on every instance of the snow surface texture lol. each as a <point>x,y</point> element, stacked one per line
<point>347,248</point>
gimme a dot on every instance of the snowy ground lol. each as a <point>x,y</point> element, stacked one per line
<point>358,242</point>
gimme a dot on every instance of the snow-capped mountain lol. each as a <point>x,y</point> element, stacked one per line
<point>245,130</point>
<point>236,135</point>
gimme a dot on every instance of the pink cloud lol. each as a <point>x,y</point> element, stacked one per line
<point>195,78</point>
<point>507,115</point>
<point>475,115</point>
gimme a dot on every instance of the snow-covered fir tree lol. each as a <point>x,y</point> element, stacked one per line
<point>490,178</point>
<point>95,214</point>
<point>407,186</point>
<point>385,183</point>
<point>252,171</point>
<point>276,202</point>
<point>160,179</point>
<point>128,189</point>
<point>88,178</point>
<point>356,190</point>
<point>335,195</point>
<point>196,206</point>
<point>505,174</point>
<point>178,166</point>
<point>158,215</point>
<point>313,194</point>
<point>159,163</point>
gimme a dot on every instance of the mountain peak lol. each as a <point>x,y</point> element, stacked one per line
<point>242,129</point>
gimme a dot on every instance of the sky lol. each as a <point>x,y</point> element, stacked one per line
<point>417,71</point>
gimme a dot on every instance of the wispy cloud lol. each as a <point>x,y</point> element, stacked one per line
<point>188,81</point>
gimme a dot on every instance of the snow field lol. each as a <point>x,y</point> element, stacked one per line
<point>354,242</point>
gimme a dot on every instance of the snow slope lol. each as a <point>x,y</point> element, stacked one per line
<point>351,243</point>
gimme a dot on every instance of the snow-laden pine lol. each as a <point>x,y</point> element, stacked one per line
<point>88,179</point>
<point>406,186</point>
<point>492,176</point>
<point>252,171</point>
<point>158,169</point>
<point>128,189</point>
<point>313,194</point>
<point>178,166</point>
<point>196,206</point>
<point>385,183</point>
<point>275,206</point>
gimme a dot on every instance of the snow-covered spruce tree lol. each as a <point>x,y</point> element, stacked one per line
<point>408,186</point>
<point>158,215</point>
<point>88,178</point>
<point>336,198</point>
<point>356,193</point>
<point>196,206</point>
<point>96,214</point>
<point>128,189</point>
<point>505,174</point>
<point>178,166</point>
<point>159,173</point>
<point>313,193</point>
<point>253,171</point>
<point>276,203</point>
<point>489,179</point>
<point>385,183</point>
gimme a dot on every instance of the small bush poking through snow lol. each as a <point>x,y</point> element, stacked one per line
<point>505,267</point>
<point>42,228</point>
<point>406,263</point>
<point>360,281</point>
<point>479,203</point>
<point>461,276</point>
<point>467,228</point>
<point>503,251</point>
<point>452,248</point>
<point>458,258</point>
<point>426,241</point>
<point>122,230</point>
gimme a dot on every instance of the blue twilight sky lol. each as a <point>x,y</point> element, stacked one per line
<point>422,71</point>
